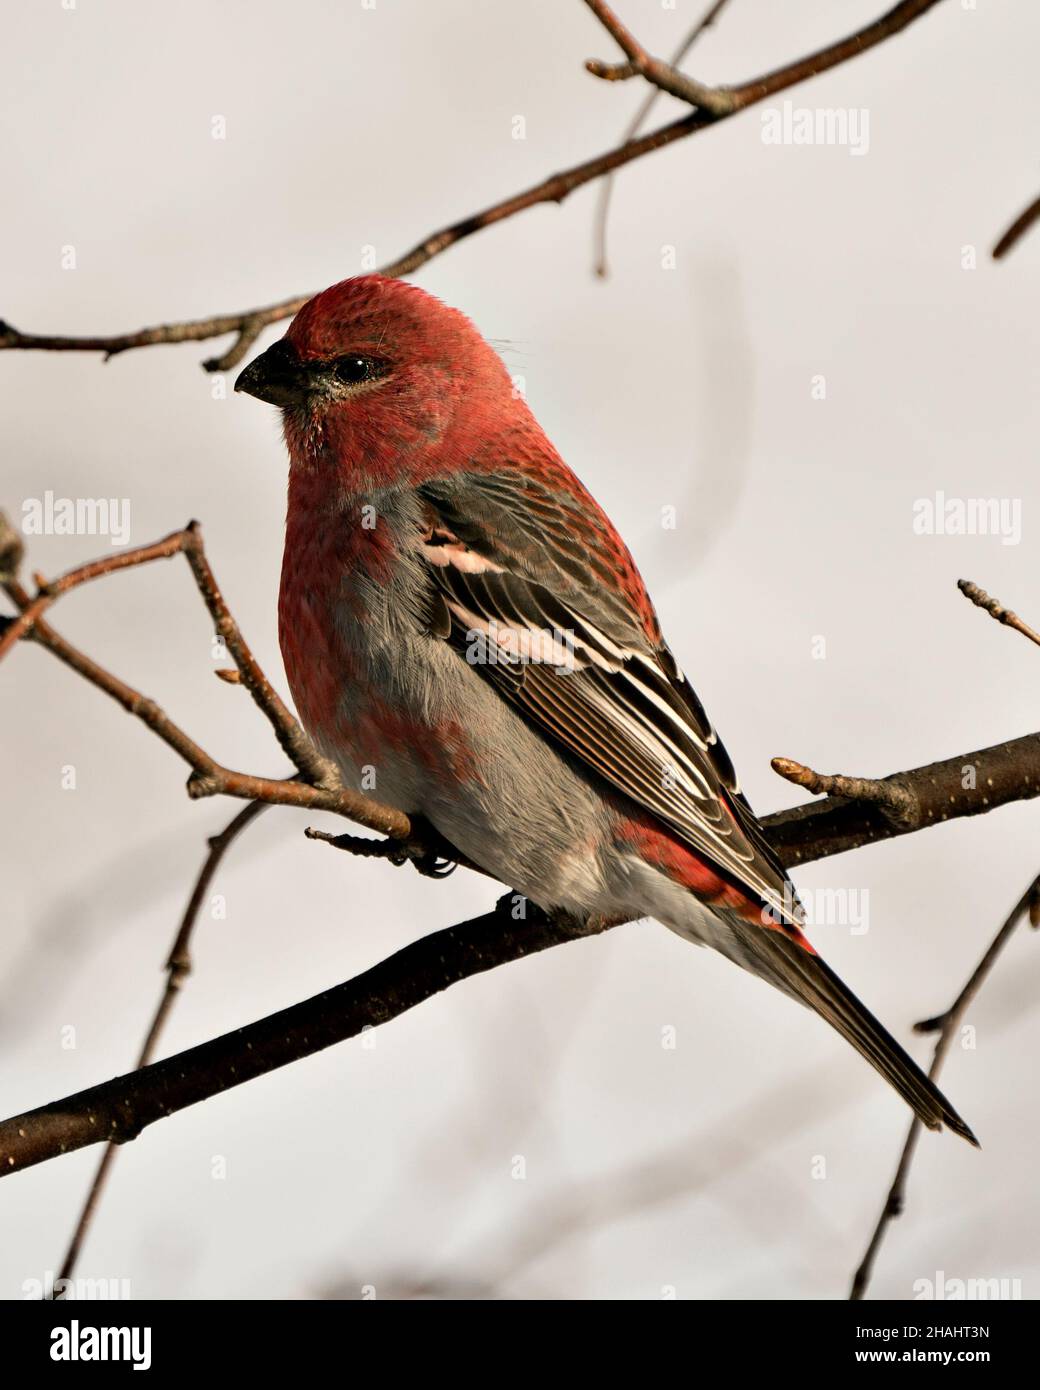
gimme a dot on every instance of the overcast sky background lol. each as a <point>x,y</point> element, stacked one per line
<point>647,1168</point>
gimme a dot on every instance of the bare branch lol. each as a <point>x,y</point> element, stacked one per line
<point>293,739</point>
<point>208,777</point>
<point>946,1024</point>
<point>861,810</point>
<point>892,796</point>
<point>248,323</point>
<point>606,187</point>
<point>48,591</point>
<point>968,785</point>
<point>858,811</point>
<point>721,102</point>
<point>996,609</point>
<point>718,100</point>
<point>119,1110</point>
<point>1014,234</point>
<point>178,968</point>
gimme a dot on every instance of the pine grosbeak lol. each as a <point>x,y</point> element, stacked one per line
<point>459,618</point>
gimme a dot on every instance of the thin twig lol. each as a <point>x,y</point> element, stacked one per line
<point>1014,234</point>
<point>248,323</point>
<point>718,103</point>
<point>946,1024</point>
<point>178,968</point>
<point>888,793</point>
<point>48,591</point>
<point>293,739</point>
<point>996,609</point>
<point>208,777</point>
<point>606,187</point>
<point>667,78</point>
<point>924,796</point>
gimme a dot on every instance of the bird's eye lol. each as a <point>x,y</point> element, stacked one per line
<point>355,368</point>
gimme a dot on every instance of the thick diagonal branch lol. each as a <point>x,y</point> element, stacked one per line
<point>860,811</point>
<point>863,810</point>
<point>119,1110</point>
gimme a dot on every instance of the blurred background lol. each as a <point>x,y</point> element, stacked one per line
<point>624,1117</point>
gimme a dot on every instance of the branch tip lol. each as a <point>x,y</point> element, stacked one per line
<point>890,793</point>
<point>996,609</point>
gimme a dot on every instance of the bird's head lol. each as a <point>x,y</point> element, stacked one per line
<point>381,375</point>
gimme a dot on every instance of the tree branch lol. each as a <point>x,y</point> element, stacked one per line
<point>858,810</point>
<point>606,187</point>
<point>247,324</point>
<point>946,1024</point>
<point>118,1110</point>
<point>855,810</point>
<point>862,811</point>
<point>178,968</point>
<point>866,811</point>
<point>48,591</point>
<point>1014,234</point>
<point>318,787</point>
<point>996,609</point>
<point>718,100</point>
<point>721,102</point>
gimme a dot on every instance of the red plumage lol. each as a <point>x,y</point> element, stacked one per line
<point>462,623</point>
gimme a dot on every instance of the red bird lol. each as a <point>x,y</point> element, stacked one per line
<point>467,637</point>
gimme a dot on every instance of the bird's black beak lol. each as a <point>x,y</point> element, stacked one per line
<point>276,376</point>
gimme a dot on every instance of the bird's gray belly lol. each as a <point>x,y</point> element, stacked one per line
<point>470,765</point>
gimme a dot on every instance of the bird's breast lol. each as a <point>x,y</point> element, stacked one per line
<point>348,605</point>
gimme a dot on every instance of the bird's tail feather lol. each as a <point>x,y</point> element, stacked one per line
<point>802,974</point>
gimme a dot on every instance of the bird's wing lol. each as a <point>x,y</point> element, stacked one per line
<point>535,589</point>
<point>538,592</point>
